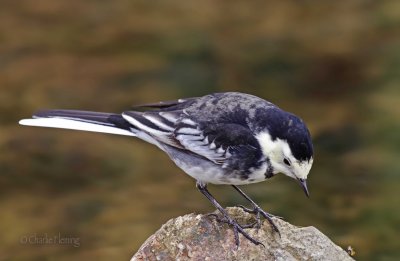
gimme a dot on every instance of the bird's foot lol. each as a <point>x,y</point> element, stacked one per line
<point>237,228</point>
<point>258,212</point>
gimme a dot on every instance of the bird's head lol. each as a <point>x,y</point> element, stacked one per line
<point>286,142</point>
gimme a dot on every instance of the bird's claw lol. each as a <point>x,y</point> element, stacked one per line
<point>237,228</point>
<point>256,210</point>
<point>251,225</point>
<point>217,218</point>
<point>260,212</point>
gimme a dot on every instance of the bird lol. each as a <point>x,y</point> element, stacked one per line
<point>226,138</point>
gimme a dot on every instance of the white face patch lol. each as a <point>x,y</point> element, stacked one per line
<point>278,150</point>
<point>301,169</point>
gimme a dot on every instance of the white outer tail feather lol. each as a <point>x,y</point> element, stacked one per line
<point>74,125</point>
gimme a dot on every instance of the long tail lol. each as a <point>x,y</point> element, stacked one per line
<point>81,120</point>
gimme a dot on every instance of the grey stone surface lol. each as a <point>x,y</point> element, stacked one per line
<point>200,237</point>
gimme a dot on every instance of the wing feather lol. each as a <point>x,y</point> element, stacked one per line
<point>213,141</point>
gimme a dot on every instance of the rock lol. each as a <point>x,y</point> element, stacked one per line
<point>201,237</point>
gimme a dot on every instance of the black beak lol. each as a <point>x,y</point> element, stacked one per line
<point>303,184</point>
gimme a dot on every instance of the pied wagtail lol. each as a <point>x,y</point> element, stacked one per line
<point>223,138</point>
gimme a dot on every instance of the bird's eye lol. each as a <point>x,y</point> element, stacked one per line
<point>286,161</point>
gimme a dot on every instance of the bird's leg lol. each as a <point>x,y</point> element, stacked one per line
<point>226,218</point>
<point>257,211</point>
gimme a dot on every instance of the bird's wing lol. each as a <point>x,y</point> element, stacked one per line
<point>216,141</point>
<point>159,125</point>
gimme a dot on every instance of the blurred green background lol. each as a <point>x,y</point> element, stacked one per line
<point>336,64</point>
